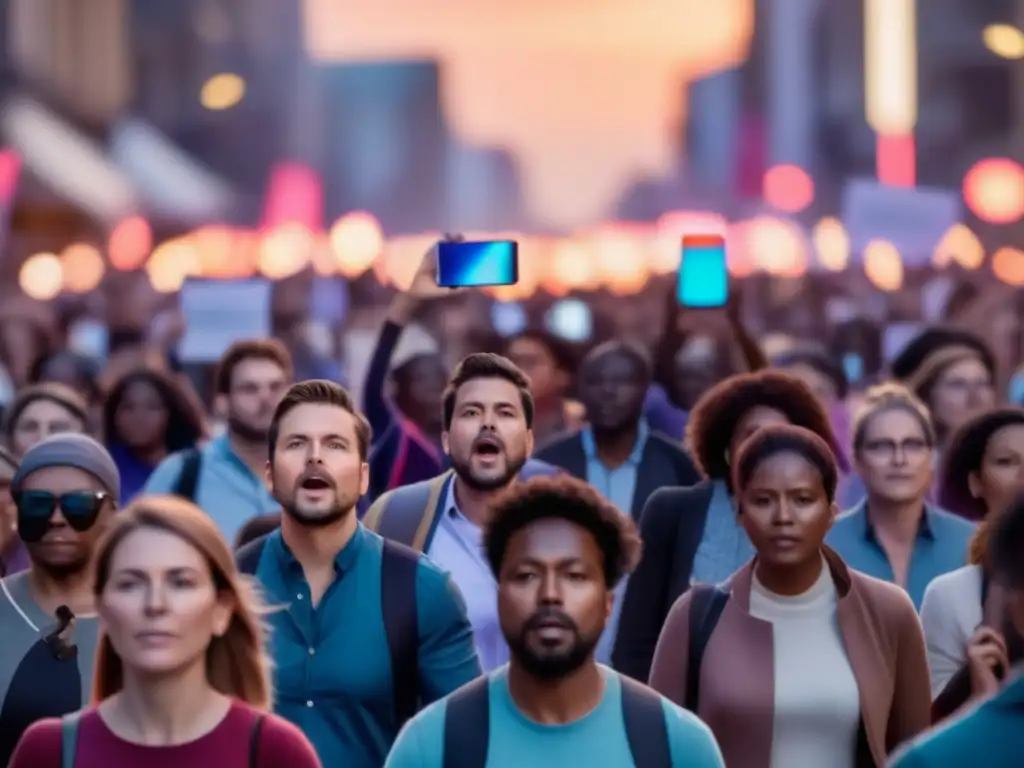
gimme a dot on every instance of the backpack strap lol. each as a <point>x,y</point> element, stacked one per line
<point>401,625</point>
<point>467,725</point>
<point>69,739</point>
<point>247,558</point>
<point>254,741</point>
<point>407,514</point>
<point>188,479</point>
<point>646,731</point>
<point>707,602</point>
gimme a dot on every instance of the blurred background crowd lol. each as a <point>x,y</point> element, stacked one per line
<point>176,175</point>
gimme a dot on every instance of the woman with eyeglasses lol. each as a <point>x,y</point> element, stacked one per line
<point>182,672</point>
<point>64,491</point>
<point>797,660</point>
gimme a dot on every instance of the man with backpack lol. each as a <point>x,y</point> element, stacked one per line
<point>557,549</point>
<point>225,476</point>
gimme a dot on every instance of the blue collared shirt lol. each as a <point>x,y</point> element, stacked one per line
<point>941,546</point>
<point>458,548</point>
<point>618,486</point>
<point>226,489</point>
<point>332,668</point>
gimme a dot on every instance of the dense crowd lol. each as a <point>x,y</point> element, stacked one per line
<point>471,569</point>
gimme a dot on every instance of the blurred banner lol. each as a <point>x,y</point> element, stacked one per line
<point>10,173</point>
<point>68,163</point>
<point>172,183</point>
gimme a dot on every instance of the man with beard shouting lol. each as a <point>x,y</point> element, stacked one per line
<point>370,628</point>
<point>487,416</point>
<point>557,549</point>
<point>225,476</point>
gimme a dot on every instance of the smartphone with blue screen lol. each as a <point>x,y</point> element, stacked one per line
<point>703,273</point>
<point>853,368</point>
<point>475,265</point>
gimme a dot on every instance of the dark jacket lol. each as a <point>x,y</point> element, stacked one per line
<point>664,463</point>
<point>671,526</point>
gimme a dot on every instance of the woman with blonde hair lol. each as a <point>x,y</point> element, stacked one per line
<point>181,675</point>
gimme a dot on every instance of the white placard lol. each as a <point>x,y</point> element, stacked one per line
<point>220,312</point>
<point>914,220</point>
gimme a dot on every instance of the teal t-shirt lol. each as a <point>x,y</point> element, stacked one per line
<point>598,738</point>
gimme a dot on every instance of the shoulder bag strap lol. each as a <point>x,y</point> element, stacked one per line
<point>188,480</point>
<point>644,717</point>
<point>467,725</point>
<point>254,741</point>
<point>69,739</point>
<point>401,625</point>
<point>247,558</point>
<point>706,606</point>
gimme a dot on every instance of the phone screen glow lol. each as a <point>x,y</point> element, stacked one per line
<point>473,265</point>
<point>703,272</point>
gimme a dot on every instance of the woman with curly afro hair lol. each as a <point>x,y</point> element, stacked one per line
<point>692,534</point>
<point>982,475</point>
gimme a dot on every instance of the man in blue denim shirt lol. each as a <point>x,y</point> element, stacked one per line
<point>893,534</point>
<point>332,644</point>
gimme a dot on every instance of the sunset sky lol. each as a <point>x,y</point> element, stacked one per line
<point>587,93</point>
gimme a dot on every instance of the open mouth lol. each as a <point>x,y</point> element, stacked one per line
<point>315,484</point>
<point>487,448</point>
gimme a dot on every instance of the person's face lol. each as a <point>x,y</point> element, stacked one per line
<point>962,390</point>
<point>62,549</point>
<point>317,473</point>
<point>160,606</point>
<point>756,418</point>
<point>488,440</point>
<point>895,457</point>
<point>257,386</point>
<point>820,384</point>
<point>785,510</point>
<point>141,418</point>
<point>1002,468</point>
<point>8,512</point>
<point>39,420</point>
<point>553,602</point>
<point>422,389</point>
<point>547,380</point>
<point>612,389</point>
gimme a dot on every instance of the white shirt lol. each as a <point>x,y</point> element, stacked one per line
<point>950,613</point>
<point>817,700</point>
<point>458,549</point>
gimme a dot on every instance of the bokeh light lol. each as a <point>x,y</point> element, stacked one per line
<point>959,245</point>
<point>356,241</point>
<point>130,243</point>
<point>286,251</point>
<point>82,267</point>
<point>776,246</point>
<point>41,276</point>
<point>1004,40</point>
<point>171,263</point>
<point>571,267</point>
<point>883,265</point>
<point>994,190</point>
<point>831,244</point>
<point>1008,266</point>
<point>788,188</point>
<point>222,91</point>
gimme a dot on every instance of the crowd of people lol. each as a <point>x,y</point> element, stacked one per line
<point>471,569</point>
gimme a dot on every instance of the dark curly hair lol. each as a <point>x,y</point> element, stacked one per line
<point>716,415</point>
<point>963,458</point>
<point>185,423</point>
<point>785,438</point>
<point>1005,544</point>
<point>566,498</point>
<point>486,365</point>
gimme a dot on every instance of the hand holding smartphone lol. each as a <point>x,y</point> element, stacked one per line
<point>477,264</point>
<point>703,273</point>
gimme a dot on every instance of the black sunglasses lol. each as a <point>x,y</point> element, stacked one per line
<point>35,508</point>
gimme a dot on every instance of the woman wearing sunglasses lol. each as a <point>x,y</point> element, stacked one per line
<point>63,491</point>
<point>182,674</point>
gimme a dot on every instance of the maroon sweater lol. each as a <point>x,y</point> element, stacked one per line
<point>226,746</point>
